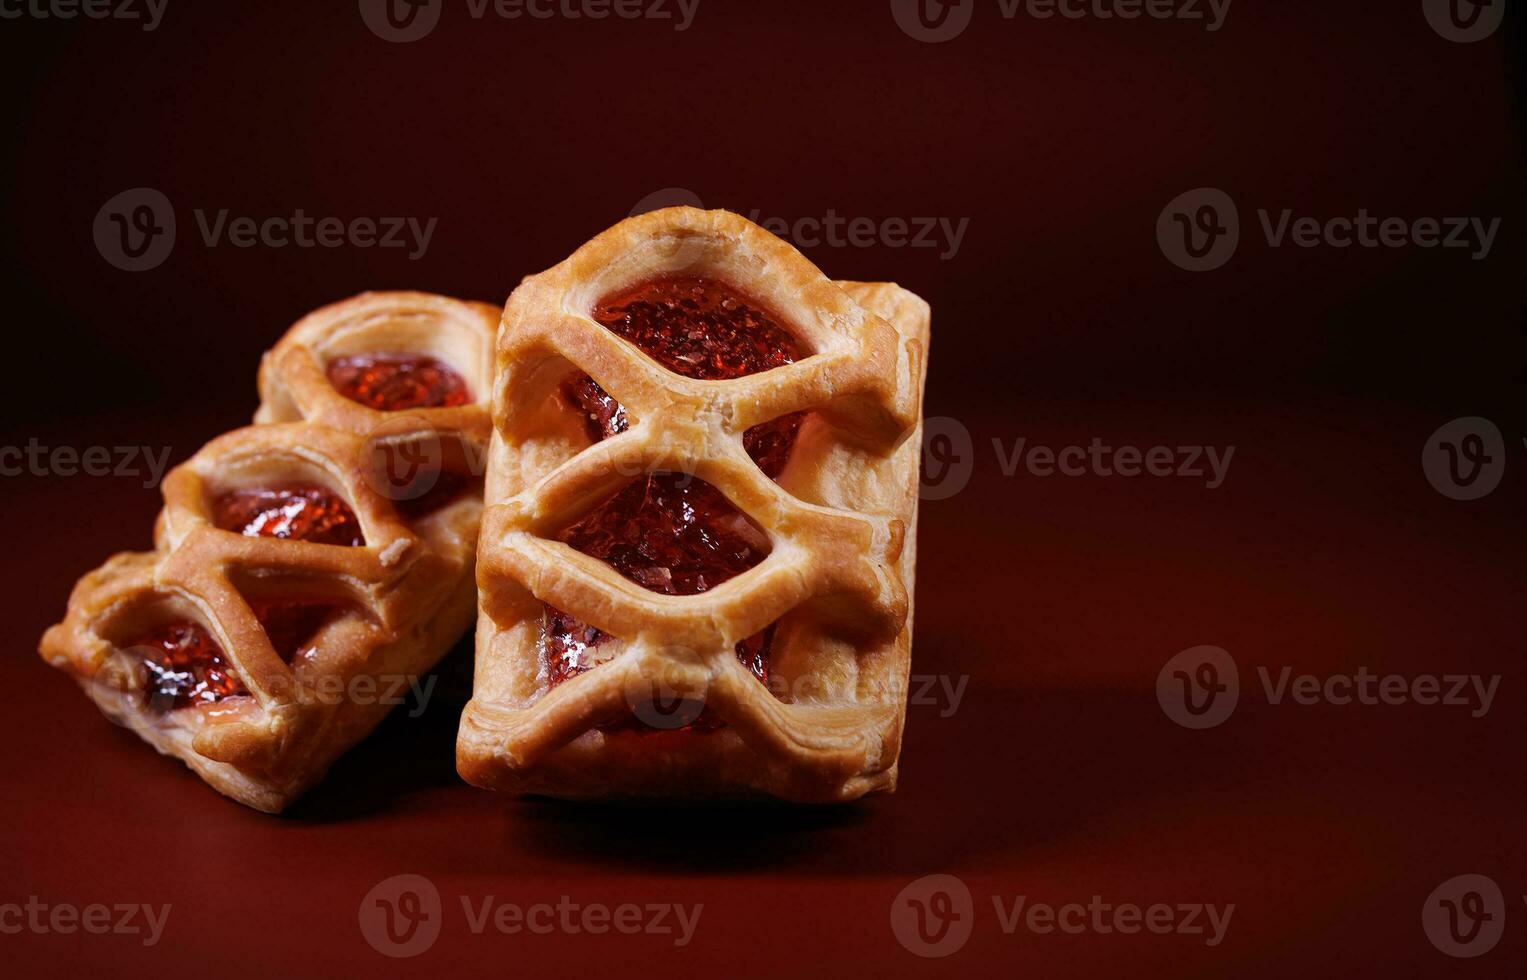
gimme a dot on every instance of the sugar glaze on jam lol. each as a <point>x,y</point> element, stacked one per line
<point>668,532</point>
<point>300,513</point>
<point>391,382</point>
<point>183,666</point>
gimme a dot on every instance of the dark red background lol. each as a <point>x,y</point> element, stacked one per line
<point>1059,320</point>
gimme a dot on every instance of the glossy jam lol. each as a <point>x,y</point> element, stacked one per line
<point>699,328</point>
<point>183,666</point>
<point>574,647</point>
<point>669,533</point>
<point>603,415</point>
<point>301,513</point>
<point>398,382</point>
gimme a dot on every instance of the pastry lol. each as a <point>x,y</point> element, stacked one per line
<point>696,567</point>
<point>307,569</point>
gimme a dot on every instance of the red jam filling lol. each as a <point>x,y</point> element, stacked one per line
<point>183,666</point>
<point>699,328</point>
<point>301,513</point>
<point>670,533</point>
<point>290,625</point>
<point>397,382</point>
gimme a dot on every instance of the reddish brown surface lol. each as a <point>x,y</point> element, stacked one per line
<point>303,513</point>
<point>395,382</point>
<point>182,665</point>
<point>1058,321</point>
<point>1059,771</point>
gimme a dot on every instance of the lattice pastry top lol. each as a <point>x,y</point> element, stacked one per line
<point>307,567</point>
<point>696,566</point>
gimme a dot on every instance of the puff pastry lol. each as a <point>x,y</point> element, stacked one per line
<point>696,566</point>
<point>304,565</point>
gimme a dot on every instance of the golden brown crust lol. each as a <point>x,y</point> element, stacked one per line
<point>841,521</point>
<point>407,594</point>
